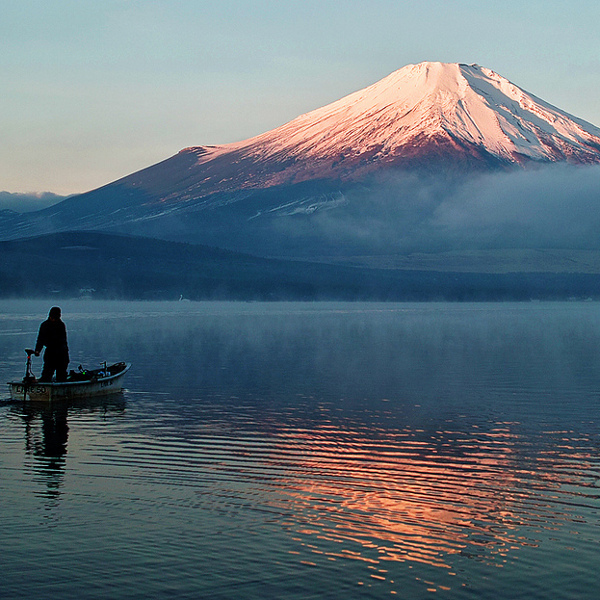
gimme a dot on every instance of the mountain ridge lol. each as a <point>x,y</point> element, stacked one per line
<point>92,264</point>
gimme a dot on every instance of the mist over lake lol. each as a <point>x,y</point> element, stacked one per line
<point>307,450</point>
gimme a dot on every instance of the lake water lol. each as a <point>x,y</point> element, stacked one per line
<point>299,451</point>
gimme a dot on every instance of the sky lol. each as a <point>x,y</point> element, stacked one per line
<point>92,90</point>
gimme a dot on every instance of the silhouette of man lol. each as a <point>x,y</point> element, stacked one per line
<point>53,335</point>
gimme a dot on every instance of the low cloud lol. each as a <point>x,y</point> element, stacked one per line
<point>23,203</point>
<point>551,207</point>
<point>546,207</point>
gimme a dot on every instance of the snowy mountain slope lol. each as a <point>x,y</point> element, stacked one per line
<point>424,109</point>
<point>469,103</point>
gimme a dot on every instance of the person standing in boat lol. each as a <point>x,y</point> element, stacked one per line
<point>53,336</point>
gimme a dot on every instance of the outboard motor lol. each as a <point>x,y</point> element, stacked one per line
<point>29,376</point>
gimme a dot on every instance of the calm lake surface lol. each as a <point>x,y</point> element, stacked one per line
<point>298,451</point>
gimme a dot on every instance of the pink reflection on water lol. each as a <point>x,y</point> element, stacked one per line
<point>407,498</point>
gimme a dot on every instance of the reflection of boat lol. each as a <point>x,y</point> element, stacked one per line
<point>83,384</point>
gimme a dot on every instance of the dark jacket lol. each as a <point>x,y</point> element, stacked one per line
<point>53,335</point>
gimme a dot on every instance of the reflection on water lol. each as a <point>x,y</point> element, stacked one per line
<point>407,499</point>
<point>311,451</point>
<point>46,431</point>
<point>46,436</point>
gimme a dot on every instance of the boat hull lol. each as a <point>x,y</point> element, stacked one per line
<point>38,391</point>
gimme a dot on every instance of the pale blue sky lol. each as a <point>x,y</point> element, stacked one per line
<point>92,90</point>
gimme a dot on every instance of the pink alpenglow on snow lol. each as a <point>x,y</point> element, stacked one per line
<point>420,111</point>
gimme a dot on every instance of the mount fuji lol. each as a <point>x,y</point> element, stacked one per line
<point>421,113</point>
<point>377,171</point>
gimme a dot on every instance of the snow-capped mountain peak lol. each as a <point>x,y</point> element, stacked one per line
<point>419,109</point>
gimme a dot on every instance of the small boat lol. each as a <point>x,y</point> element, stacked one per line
<point>79,384</point>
